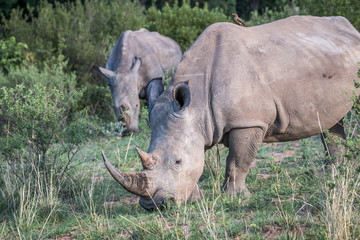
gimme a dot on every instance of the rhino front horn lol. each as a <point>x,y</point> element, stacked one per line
<point>147,159</point>
<point>137,184</point>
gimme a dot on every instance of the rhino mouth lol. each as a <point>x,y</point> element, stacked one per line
<point>130,123</point>
<point>155,202</point>
<point>126,119</point>
<point>149,205</point>
<point>127,131</point>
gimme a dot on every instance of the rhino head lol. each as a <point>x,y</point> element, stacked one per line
<point>125,89</point>
<point>175,158</point>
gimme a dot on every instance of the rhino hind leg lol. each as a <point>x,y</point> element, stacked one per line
<point>332,147</point>
<point>197,194</point>
<point>243,146</point>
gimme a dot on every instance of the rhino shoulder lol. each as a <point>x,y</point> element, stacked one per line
<point>221,26</point>
<point>211,35</point>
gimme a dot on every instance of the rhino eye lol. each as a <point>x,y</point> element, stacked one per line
<point>177,165</point>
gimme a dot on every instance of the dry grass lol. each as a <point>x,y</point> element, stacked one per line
<point>340,213</point>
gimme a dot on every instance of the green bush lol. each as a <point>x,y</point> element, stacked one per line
<point>12,54</point>
<point>52,77</point>
<point>183,24</point>
<point>39,139</point>
<point>83,33</point>
<point>35,127</point>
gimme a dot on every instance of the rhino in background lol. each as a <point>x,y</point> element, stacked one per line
<point>137,58</point>
<point>241,87</point>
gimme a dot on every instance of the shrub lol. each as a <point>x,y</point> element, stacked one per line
<point>38,142</point>
<point>52,77</point>
<point>83,33</point>
<point>12,54</point>
<point>183,24</point>
<point>35,127</point>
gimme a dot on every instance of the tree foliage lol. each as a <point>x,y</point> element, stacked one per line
<point>12,54</point>
<point>82,32</point>
<point>269,15</point>
<point>243,7</point>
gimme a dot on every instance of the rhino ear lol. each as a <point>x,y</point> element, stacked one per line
<point>181,95</point>
<point>104,72</point>
<point>154,89</point>
<point>136,65</point>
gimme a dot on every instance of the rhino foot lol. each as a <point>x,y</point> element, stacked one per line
<point>233,190</point>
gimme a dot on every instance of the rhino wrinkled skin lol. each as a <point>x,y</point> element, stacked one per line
<point>137,58</point>
<point>243,86</point>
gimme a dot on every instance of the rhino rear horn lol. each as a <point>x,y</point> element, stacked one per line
<point>137,184</point>
<point>148,160</point>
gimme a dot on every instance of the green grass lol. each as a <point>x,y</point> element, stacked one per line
<point>292,198</point>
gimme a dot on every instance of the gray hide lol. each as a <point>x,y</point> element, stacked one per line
<point>243,86</point>
<point>137,58</point>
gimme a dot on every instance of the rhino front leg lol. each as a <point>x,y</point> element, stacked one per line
<point>243,146</point>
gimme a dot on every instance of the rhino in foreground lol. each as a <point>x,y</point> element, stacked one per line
<point>137,58</point>
<point>243,86</point>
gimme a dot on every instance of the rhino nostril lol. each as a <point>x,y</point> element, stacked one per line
<point>124,114</point>
<point>121,118</point>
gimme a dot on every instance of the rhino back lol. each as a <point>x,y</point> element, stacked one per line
<point>282,77</point>
<point>157,53</point>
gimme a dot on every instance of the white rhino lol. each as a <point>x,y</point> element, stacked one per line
<point>243,86</point>
<point>138,58</point>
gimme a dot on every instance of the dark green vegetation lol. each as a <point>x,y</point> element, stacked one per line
<point>56,117</point>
